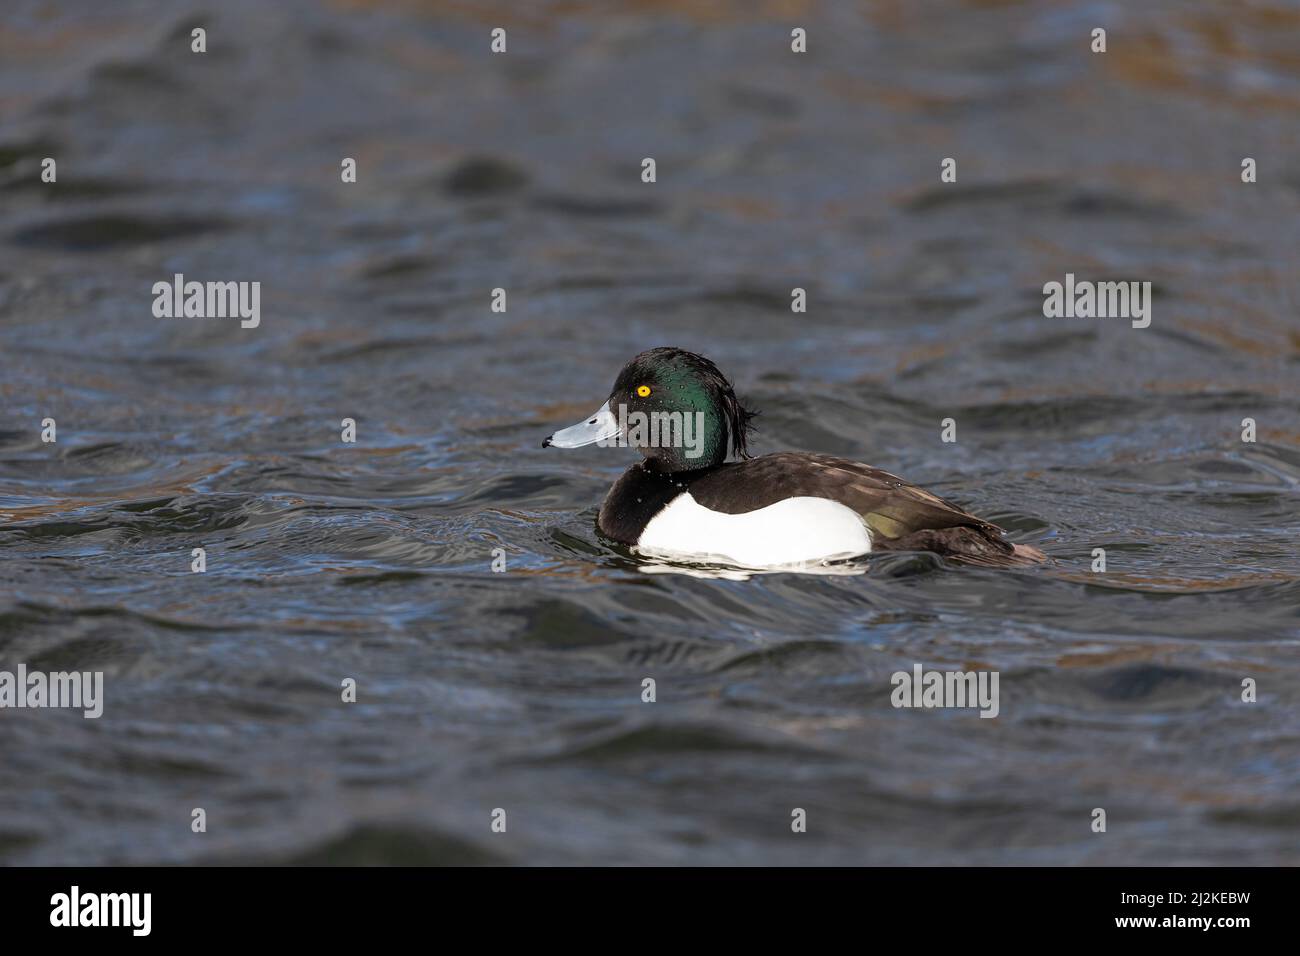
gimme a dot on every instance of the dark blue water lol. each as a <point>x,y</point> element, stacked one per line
<point>521,690</point>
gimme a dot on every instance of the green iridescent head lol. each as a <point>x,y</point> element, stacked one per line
<point>673,406</point>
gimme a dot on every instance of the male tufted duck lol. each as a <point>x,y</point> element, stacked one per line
<point>685,500</point>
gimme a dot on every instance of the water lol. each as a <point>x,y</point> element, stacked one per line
<point>521,690</point>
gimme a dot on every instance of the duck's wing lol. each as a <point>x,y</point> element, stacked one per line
<point>891,506</point>
<point>900,515</point>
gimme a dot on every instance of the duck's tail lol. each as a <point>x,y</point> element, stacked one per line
<point>1028,554</point>
<point>967,544</point>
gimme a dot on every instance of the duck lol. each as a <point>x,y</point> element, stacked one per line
<point>686,501</point>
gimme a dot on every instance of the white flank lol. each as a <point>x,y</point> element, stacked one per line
<point>789,532</point>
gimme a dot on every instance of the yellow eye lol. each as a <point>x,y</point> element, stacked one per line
<point>643,391</point>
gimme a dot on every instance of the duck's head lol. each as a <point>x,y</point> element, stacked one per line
<point>674,406</point>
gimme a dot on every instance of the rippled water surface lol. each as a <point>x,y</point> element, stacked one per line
<point>521,690</point>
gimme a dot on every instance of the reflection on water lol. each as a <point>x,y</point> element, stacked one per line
<point>522,690</point>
